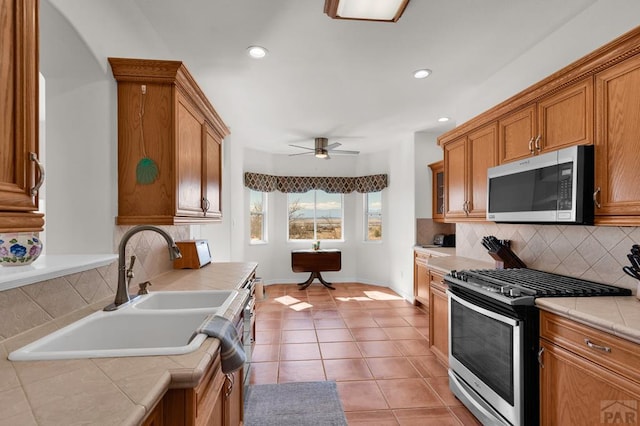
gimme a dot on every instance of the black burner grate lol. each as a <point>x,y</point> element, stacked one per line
<point>540,283</point>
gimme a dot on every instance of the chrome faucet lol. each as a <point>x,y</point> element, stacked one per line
<point>122,293</point>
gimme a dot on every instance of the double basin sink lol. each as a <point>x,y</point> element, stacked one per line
<point>159,323</point>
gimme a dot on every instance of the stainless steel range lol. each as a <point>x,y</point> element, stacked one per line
<point>493,338</point>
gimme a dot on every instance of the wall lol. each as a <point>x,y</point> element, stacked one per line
<point>594,253</point>
<point>427,151</point>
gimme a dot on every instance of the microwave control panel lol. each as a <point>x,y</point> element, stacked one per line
<point>565,186</point>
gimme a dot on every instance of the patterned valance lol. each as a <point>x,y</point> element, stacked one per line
<point>342,185</point>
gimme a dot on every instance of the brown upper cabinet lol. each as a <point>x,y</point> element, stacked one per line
<point>169,145</point>
<point>617,148</point>
<point>20,171</point>
<point>437,191</point>
<point>466,161</point>
<point>592,101</point>
<point>559,120</point>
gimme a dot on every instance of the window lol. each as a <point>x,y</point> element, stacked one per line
<point>373,216</point>
<point>315,215</point>
<point>257,216</point>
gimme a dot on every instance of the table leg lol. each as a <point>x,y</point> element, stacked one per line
<point>324,283</point>
<point>314,275</point>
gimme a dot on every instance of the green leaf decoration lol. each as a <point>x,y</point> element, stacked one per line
<point>146,171</point>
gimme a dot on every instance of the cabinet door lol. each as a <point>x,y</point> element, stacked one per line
<point>421,279</point>
<point>212,159</point>
<point>18,115</point>
<point>483,153</point>
<point>575,391</point>
<point>189,161</point>
<point>617,145</point>
<point>438,318</point>
<point>566,118</point>
<point>516,134</point>
<point>437,191</point>
<point>233,399</point>
<point>455,177</point>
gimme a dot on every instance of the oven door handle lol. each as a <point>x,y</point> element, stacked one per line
<point>478,405</point>
<point>487,313</point>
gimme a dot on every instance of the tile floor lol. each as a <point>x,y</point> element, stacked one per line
<point>374,344</point>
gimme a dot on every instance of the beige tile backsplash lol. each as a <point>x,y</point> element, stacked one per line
<point>427,228</point>
<point>26,307</point>
<point>595,253</point>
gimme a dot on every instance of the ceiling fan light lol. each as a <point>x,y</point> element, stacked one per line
<point>321,153</point>
<point>257,52</point>
<point>368,10</point>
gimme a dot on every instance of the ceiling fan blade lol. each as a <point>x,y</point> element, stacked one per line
<point>344,152</point>
<point>333,145</point>
<point>300,153</point>
<point>302,147</point>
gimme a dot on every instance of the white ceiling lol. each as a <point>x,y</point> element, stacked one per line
<point>349,81</point>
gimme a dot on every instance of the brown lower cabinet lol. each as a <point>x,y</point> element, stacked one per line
<point>420,278</point>
<point>215,401</point>
<point>587,377</point>
<point>438,317</point>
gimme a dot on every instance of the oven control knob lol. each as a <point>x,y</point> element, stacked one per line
<point>515,292</point>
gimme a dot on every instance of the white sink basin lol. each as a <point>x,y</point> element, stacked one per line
<point>160,323</point>
<point>205,300</point>
<point>119,334</point>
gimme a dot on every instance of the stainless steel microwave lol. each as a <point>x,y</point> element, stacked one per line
<point>556,187</point>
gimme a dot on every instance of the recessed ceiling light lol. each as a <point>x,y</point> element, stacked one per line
<point>256,52</point>
<point>443,119</point>
<point>423,73</point>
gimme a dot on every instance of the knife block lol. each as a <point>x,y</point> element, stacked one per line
<point>505,258</point>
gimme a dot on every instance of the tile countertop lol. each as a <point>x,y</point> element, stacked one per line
<point>619,316</point>
<point>435,250</point>
<point>109,391</point>
<point>445,264</point>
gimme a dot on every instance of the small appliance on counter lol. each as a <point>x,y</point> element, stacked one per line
<point>195,254</point>
<point>444,240</point>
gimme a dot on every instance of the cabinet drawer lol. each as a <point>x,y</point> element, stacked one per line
<point>421,257</point>
<point>617,354</point>
<point>207,392</point>
<point>437,280</point>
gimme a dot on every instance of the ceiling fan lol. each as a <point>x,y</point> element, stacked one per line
<point>323,148</point>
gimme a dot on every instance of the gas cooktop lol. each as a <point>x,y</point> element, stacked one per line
<point>520,286</point>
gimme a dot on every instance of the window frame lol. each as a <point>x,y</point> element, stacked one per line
<point>315,217</point>
<point>263,212</point>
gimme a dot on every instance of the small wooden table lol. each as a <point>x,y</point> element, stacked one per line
<point>316,261</point>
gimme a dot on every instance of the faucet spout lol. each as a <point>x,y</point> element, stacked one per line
<point>122,293</point>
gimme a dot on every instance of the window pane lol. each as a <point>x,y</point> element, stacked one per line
<point>374,216</point>
<point>257,215</point>
<point>328,216</point>
<point>301,216</point>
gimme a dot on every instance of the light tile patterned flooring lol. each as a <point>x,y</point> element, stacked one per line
<point>372,342</point>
